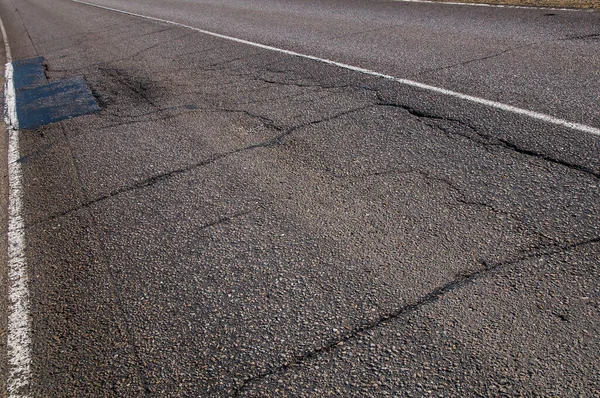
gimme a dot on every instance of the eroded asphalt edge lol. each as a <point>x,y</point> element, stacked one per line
<point>4,228</point>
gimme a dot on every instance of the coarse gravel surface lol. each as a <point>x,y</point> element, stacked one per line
<point>240,222</point>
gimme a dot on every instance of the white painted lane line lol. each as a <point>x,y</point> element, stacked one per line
<point>492,104</point>
<point>10,108</point>
<point>10,100</point>
<point>6,46</point>
<point>455,3</point>
<point>19,322</point>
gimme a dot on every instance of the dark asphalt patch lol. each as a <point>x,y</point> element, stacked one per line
<point>39,102</point>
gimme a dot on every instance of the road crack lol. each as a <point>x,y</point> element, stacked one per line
<point>160,177</point>
<point>484,58</point>
<point>461,197</point>
<point>592,36</point>
<point>299,85</point>
<point>486,140</point>
<point>458,282</point>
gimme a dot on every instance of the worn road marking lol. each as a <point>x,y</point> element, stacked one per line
<point>19,323</point>
<point>481,101</point>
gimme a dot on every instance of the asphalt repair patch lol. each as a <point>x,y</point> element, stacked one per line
<point>40,102</point>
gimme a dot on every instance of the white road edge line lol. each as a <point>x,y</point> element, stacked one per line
<point>492,104</point>
<point>19,321</point>
<point>454,3</point>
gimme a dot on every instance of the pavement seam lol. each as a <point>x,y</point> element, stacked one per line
<point>473,60</point>
<point>124,330</point>
<point>25,27</point>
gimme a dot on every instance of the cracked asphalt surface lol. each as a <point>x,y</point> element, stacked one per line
<point>239,222</point>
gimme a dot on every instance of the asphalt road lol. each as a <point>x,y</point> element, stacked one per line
<point>237,221</point>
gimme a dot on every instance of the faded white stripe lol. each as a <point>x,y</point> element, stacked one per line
<point>19,322</point>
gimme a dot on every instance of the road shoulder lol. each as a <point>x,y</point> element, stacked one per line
<point>3,239</point>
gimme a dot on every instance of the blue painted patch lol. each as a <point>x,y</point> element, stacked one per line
<point>29,72</point>
<point>54,101</point>
<point>40,102</point>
